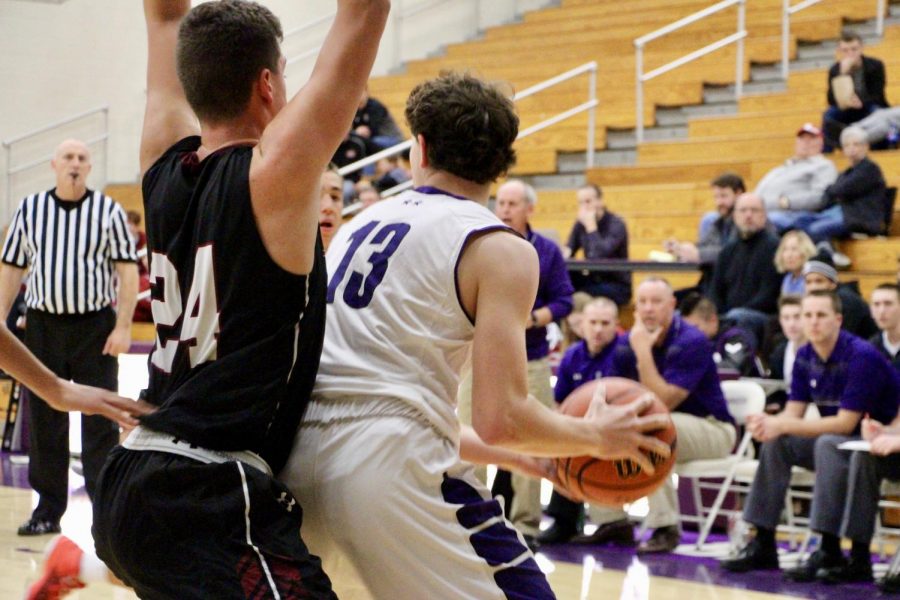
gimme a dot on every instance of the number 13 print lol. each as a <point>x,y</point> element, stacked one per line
<point>360,287</point>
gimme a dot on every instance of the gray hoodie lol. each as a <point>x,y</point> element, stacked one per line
<point>801,181</point>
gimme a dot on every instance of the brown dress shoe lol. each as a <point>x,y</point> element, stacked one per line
<point>664,539</point>
<point>620,533</point>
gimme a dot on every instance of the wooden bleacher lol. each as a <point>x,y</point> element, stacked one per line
<point>667,191</point>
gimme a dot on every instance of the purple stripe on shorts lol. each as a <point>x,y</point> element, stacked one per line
<point>497,544</point>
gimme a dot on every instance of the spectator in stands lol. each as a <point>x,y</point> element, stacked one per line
<point>846,378</point>
<point>601,234</point>
<point>734,348</point>
<point>716,228</point>
<point>515,204</point>
<point>390,172</point>
<point>855,200</point>
<point>745,283</point>
<point>882,128</point>
<point>330,205</point>
<point>589,359</point>
<point>571,327</point>
<point>369,196</point>
<point>781,359</point>
<point>793,251</point>
<point>866,77</point>
<point>143,311</point>
<point>673,359</point>
<point>855,315</point>
<point>885,306</point>
<point>373,122</point>
<point>794,190</point>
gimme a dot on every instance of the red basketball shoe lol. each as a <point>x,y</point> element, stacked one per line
<point>62,565</point>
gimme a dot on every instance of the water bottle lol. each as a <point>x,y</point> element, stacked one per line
<point>893,136</point>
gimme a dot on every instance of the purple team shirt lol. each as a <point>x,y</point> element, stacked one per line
<point>554,291</point>
<point>685,359</point>
<point>855,377</point>
<point>578,366</point>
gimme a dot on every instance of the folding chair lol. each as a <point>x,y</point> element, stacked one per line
<point>743,398</point>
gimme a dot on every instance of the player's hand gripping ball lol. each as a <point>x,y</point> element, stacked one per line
<point>614,482</point>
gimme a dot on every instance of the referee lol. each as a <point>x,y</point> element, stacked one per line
<point>75,244</point>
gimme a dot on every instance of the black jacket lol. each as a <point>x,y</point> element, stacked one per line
<point>873,75</point>
<point>745,274</point>
<point>860,190</point>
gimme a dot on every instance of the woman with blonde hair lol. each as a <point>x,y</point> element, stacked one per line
<point>794,250</point>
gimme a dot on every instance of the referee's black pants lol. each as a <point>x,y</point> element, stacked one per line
<point>72,347</point>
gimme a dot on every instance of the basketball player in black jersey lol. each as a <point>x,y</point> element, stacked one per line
<point>187,507</point>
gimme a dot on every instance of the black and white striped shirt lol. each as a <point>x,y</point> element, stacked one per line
<point>70,249</point>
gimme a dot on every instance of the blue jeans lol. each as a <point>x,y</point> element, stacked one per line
<point>784,220</point>
<point>847,116</point>
<point>826,225</point>
<point>749,319</point>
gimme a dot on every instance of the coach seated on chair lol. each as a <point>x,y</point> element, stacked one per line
<point>589,359</point>
<point>841,374</point>
<point>674,360</point>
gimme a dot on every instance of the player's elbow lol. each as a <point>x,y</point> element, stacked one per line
<point>494,429</point>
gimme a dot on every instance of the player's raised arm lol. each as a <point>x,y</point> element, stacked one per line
<point>297,145</point>
<point>168,116</point>
<point>498,276</point>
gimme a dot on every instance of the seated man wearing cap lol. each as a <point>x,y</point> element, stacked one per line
<point>793,191</point>
<point>856,317</point>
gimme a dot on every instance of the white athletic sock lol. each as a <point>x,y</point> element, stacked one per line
<point>92,569</point>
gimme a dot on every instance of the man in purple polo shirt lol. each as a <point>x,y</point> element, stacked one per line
<point>515,204</point>
<point>589,359</point>
<point>846,378</point>
<point>674,360</point>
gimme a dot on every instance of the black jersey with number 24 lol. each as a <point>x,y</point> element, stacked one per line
<point>238,337</point>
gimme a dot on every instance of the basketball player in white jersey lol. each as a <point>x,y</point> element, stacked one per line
<point>414,281</point>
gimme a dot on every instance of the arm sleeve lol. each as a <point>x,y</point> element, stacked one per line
<point>686,366</point>
<point>559,288</point>
<point>859,393</point>
<point>121,244</point>
<point>832,73</point>
<point>573,243</point>
<point>709,246</point>
<point>14,248</point>
<point>564,383</point>
<point>857,182</point>
<point>603,244</point>
<point>768,285</point>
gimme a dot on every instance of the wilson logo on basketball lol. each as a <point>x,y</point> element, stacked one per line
<point>627,468</point>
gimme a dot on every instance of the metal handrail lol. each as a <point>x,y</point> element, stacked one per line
<point>54,125</point>
<point>788,11</point>
<point>737,37</point>
<point>11,170</point>
<point>590,105</point>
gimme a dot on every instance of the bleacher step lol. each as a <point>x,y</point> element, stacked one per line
<point>559,181</point>
<point>724,93</point>
<point>625,139</point>
<point>575,162</point>
<point>711,109</point>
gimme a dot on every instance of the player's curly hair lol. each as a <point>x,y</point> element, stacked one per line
<point>469,125</point>
<point>222,47</point>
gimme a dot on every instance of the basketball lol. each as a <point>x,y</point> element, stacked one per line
<point>613,482</point>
